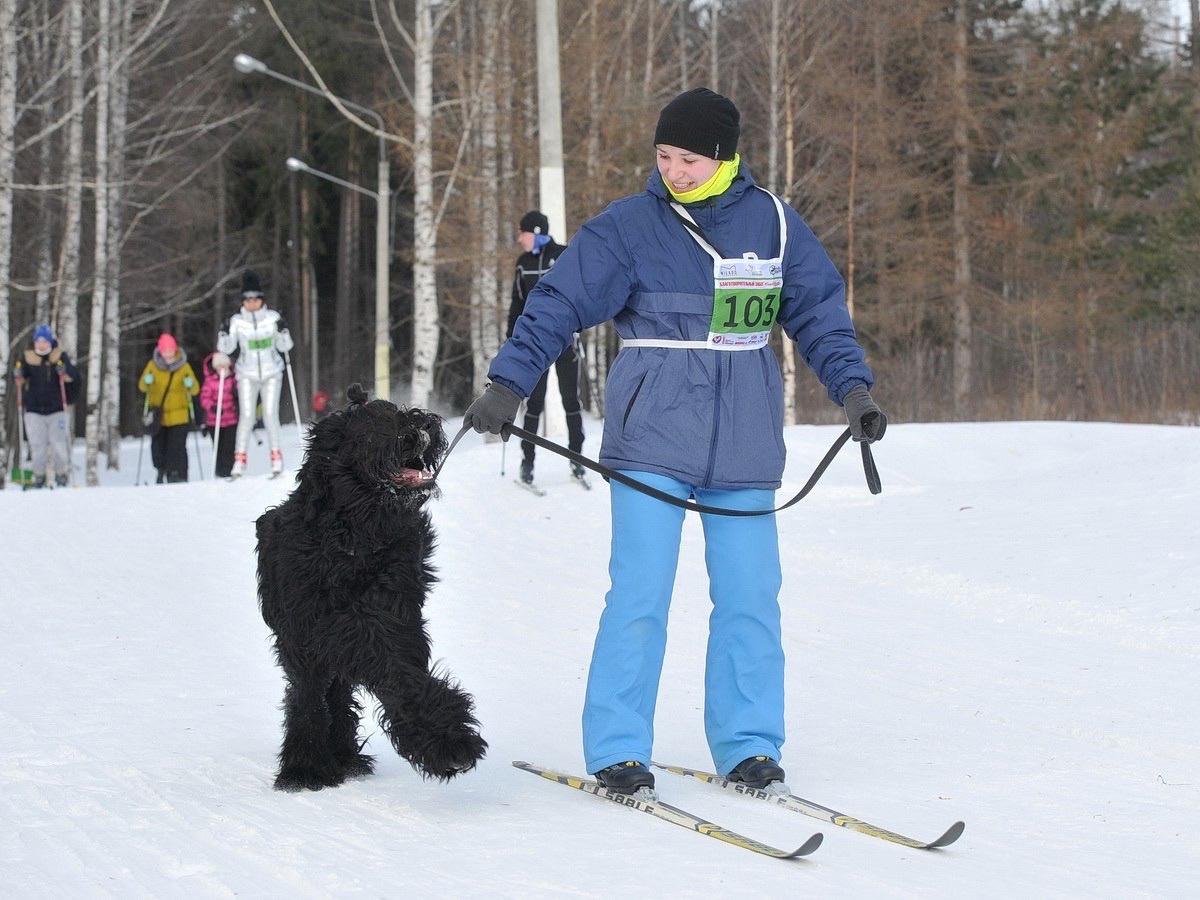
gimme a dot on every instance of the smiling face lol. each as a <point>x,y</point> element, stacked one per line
<point>684,170</point>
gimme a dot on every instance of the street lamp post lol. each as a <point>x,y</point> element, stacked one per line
<point>248,65</point>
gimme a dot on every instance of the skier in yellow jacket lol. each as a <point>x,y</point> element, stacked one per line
<point>169,385</point>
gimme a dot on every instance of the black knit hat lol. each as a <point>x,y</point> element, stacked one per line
<point>251,285</point>
<point>701,121</point>
<point>535,223</point>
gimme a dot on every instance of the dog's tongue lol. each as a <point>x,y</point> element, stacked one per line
<point>413,477</point>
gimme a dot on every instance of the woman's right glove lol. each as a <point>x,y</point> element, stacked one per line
<point>867,421</point>
<point>492,410</point>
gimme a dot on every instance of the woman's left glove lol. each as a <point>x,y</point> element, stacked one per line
<point>492,410</point>
<point>867,421</point>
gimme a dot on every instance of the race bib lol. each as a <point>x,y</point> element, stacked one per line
<point>745,302</point>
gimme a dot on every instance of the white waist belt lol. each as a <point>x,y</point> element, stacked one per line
<point>666,342</point>
<point>680,345</point>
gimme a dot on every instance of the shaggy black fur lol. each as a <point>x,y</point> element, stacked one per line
<point>343,572</point>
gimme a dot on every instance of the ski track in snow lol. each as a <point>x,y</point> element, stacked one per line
<point>1009,634</point>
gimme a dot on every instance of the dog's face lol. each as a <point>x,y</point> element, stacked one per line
<point>377,446</point>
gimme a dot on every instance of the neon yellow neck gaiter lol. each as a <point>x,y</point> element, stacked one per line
<point>721,180</point>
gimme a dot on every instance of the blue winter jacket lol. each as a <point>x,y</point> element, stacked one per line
<point>709,418</point>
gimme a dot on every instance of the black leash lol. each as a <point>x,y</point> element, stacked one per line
<point>869,470</point>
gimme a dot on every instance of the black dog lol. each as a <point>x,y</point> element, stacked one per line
<point>343,572</point>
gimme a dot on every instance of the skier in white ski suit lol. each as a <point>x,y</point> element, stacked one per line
<point>260,336</point>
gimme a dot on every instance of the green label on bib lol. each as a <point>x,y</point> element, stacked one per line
<point>745,303</point>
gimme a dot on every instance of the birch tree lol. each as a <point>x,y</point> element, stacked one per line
<point>425,300</point>
<point>63,313</point>
<point>100,246</point>
<point>8,121</point>
<point>109,430</point>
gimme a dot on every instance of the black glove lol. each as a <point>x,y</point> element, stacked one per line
<point>492,410</point>
<point>867,421</point>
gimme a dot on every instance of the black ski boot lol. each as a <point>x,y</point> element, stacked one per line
<point>626,778</point>
<point>527,471</point>
<point>756,772</point>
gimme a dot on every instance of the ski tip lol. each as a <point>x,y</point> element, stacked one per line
<point>953,833</point>
<point>808,846</point>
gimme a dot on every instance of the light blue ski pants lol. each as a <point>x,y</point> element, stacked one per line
<point>743,681</point>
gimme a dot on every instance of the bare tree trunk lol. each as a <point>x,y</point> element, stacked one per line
<point>773,99</point>
<point>714,58</point>
<point>961,214</point>
<point>346,300</point>
<point>425,299</point>
<point>218,305</point>
<point>1194,9</point>
<point>682,6</point>
<point>485,282</point>
<point>95,358</point>
<point>8,121</point>
<point>595,339</point>
<point>45,268</point>
<point>64,313</point>
<point>110,409</point>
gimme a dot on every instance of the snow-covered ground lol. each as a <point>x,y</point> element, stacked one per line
<point>1008,635</point>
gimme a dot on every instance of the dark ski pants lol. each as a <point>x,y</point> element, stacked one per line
<point>168,452</point>
<point>225,442</point>
<point>567,369</point>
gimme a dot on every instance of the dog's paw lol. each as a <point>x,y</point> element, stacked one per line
<point>455,755</point>
<point>296,779</point>
<point>360,765</point>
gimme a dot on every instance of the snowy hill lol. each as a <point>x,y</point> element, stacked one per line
<point>1008,635</point>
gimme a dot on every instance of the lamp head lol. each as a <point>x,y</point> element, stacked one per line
<point>296,165</point>
<point>248,65</point>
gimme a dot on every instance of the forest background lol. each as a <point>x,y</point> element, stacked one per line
<point>1011,189</point>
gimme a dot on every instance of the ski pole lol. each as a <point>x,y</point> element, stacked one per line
<point>20,424</point>
<point>287,362</point>
<point>62,391</point>
<point>217,419</point>
<point>142,442</point>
